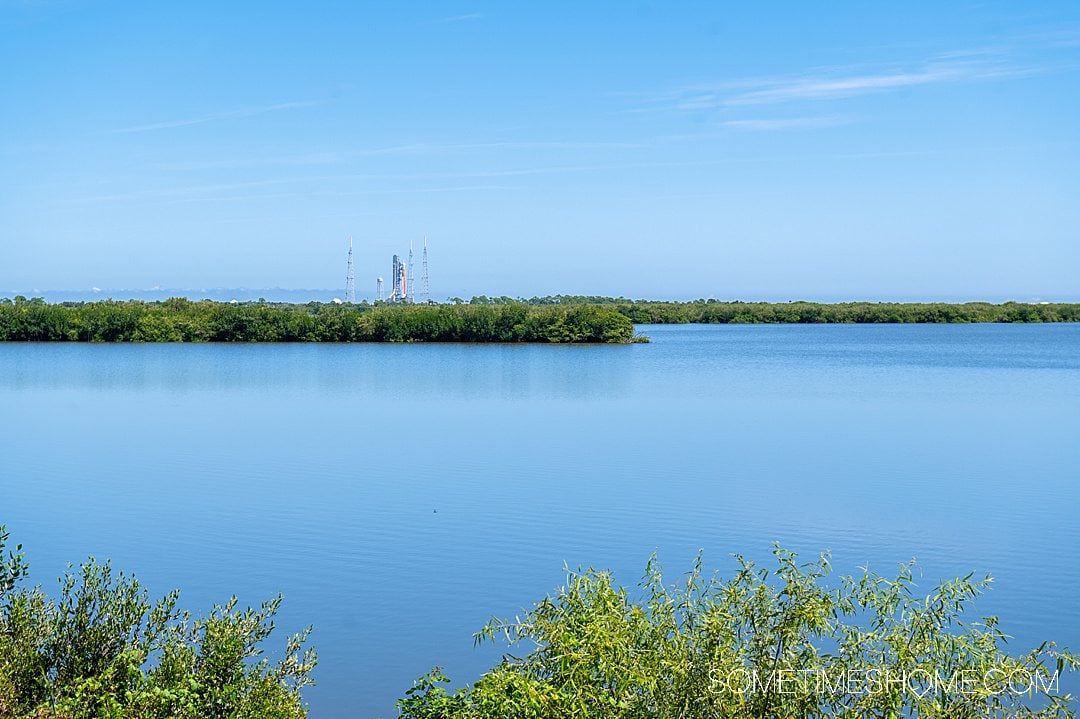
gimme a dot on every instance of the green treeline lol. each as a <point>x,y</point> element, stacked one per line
<point>719,312</point>
<point>845,312</point>
<point>181,320</point>
<point>557,319</point>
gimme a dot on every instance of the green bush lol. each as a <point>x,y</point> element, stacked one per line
<point>771,643</point>
<point>102,649</point>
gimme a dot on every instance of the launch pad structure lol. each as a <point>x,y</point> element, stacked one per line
<point>404,289</point>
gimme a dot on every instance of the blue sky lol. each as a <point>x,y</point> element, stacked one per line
<point>840,150</point>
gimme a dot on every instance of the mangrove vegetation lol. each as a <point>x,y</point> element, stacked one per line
<point>725,312</point>
<point>103,649</point>
<point>181,320</point>
<point>784,641</point>
<point>559,319</point>
<point>778,642</point>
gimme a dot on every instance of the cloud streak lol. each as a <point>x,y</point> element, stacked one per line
<point>841,83</point>
<point>787,123</point>
<point>463,18</point>
<point>833,88</point>
<point>213,117</point>
<point>811,88</point>
<point>419,149</point>
<point>309,186</point>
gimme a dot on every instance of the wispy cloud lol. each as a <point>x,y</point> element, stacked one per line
<point>439,148</point>
<point>828,86</point>
<point>227,192</point>
<point>419,149</point>
<point>463,18</point>
<point>27,149</point>
<point>345,193</point>
<point>822,84</point>
<point>786,123</point>
<point>831,88</point>
<point>1067,36</point>
<point>213,117</point>
<point>183,191</point>
<point>344,184</point>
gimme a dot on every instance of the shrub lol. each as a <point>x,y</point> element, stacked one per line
<point>778,643</point>
<point>103,649</point>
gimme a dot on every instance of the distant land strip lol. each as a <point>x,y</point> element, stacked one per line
<point>559,319</point>
<point>734,312</point>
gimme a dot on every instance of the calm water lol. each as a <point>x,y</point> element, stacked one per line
<point>401,495</point>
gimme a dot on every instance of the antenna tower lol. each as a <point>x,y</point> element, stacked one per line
<point>425,285</point>
<point>350,277</point>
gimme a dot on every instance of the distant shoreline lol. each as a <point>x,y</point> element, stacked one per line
<point>548,320</point>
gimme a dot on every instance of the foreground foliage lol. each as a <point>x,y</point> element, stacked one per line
<point>180,320</point>
<point>777,643</point>
<point>103,649</point>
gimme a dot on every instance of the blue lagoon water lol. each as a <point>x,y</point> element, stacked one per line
<point>401,495</point>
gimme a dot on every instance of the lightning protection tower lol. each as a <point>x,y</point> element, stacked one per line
<point>350,277</point>
<point>425,285</point>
